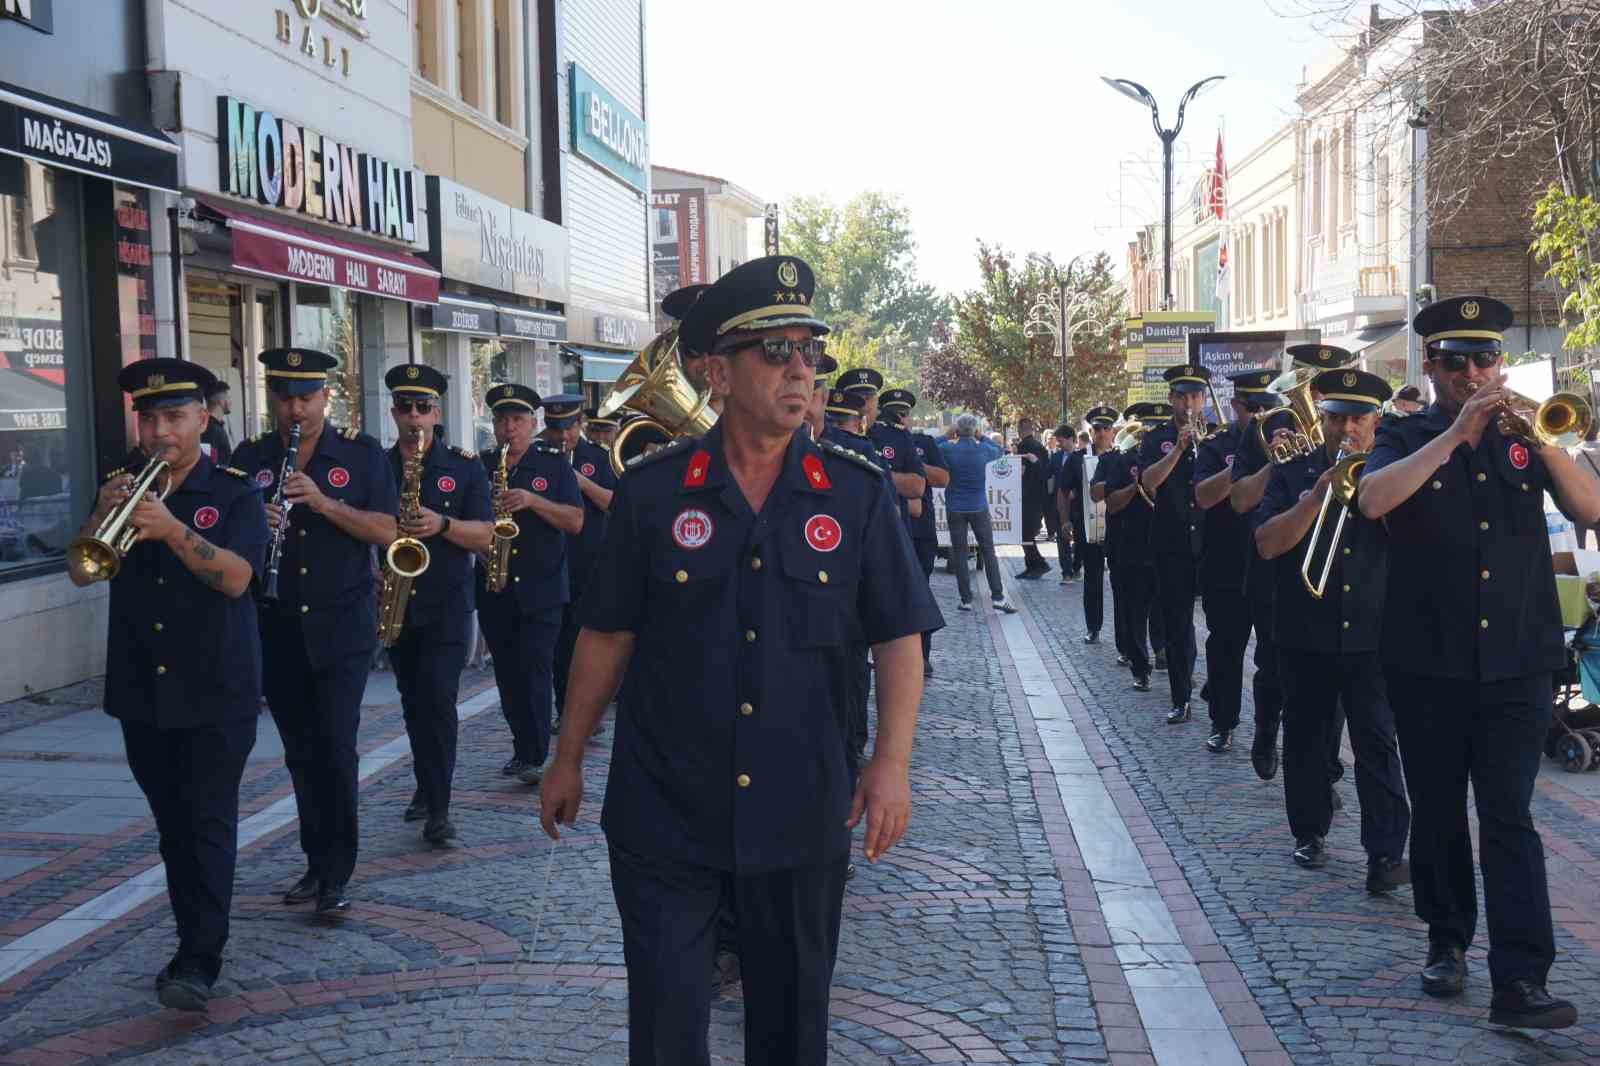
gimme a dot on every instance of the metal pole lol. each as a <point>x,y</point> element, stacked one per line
<point>1063,343</point>
<point>1417,268</point>
<point>1167,137</point>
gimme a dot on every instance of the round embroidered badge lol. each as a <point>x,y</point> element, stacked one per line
<point>823,532</point>
<point>447,484</point>
<point>206,517</point>
<point>264,478</point>
<point>1519,455</point>
<point>338,477</point>
<point>587,470</point>
<point>692,529</point>
<point>540,484</point>
<point>888,451</point>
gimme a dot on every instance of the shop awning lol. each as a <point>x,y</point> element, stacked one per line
<point>263,245</point>
<point>1373,337</point>
<point>29,402</point>
<point>51,131</point>
<point>600,365</point>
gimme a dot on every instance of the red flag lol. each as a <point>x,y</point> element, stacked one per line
<point>1219,208</point>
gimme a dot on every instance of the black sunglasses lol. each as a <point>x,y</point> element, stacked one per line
<point>422,407</point>
<point>777,350</point>
<point>1457,361</point>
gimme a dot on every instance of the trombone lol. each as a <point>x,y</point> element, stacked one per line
<point>1562,421</point>
<point>1347,469</point>
<point>98,556</point>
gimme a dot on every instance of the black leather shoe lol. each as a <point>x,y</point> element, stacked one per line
<point>1091,638</point>
<point>1141,684</point>
<point>1385,874</point>
<point>439,830</point>
<point>416,810</point>
<point>333,901</point>
<point>1311,853</point>
<point>1123,660</point>
<point>1161,661</point>
<point>1526,1005</point>
<point>1446,969</point>
<point>1179,715</point>
<point>1264,761</point>
<point>304,889</point>
<point>1220,741</point>
<point>183,987</point>
<point>514,767</point>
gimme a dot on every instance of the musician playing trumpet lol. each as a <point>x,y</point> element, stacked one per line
<point>183,658</point>
<point>454,522</point>
<point>1328,644</point>
<point>1472,634</point>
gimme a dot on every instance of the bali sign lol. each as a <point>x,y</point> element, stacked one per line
<point>275,162</point>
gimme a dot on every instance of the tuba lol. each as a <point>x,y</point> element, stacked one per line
<point>406,558</point>
<point>497,567</point>
<point>655,385</point>
<point>1305,430</point>
<point>98,556</point>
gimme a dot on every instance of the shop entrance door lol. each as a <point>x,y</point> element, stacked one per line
<point>230,323</point>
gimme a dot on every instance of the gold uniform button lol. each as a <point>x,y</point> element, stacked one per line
<point>1347,551</point>
<point>518,580</point>
<point>822,576</point>
<point>1482,476</point>
<point>514,551</point>
<point>304,609</point>
<point>743,780</point>
<point>750,636</point>
<point>1483,623</point>
<point>1486,575</point>
<point>157,627</point>
<point>161,669</point>
<point>1438,484</point>
<point>1524,486</point>
<point>755,562</point>
<point>681,576</point>
<point>1347,588</point>
<point>746,709</point>
<point>302,532</point>
<point>1484,526</point>
<point>161,581</point>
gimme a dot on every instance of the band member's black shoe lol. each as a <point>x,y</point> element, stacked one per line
<point>439,830</point>
<point>1265,760</point>
<point>1446,969</point>
<point>183,987</point>
<point>514,767</point>
<point>1092,638</point>
<point>1385,874</point>
<point>1179,715</point>
<point>531,773</point>
<point>1161,661</point>
<point>1525,1004</point>
<point>1141,684</point>
<point>333,901</point>
<point>1123,660</point>
<point>416,810</point>
<point>304,890</point>
<point>1310,853</point>
<point>1220,741</point>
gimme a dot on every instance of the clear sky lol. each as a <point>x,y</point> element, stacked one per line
<point>987,116</point>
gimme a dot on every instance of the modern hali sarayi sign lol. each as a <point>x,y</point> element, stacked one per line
<point>477,239</point>
<point>273,161</point>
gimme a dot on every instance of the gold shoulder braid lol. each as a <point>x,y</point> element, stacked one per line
<point>114,473</point>
<point>846,453</point>
<point>464,453</point>
<point>235,471</point>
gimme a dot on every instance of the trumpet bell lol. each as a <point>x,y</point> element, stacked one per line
<point>93,559</point>
<point>1563,420</point>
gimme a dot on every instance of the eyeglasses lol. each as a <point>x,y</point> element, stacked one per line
<point>422,407</point>
<point>1457,361</point>
<point>777,350</point>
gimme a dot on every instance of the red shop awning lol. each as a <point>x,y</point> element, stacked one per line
<point>266,246</point>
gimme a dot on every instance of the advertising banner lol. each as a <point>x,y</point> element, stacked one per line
<point>1234,353</point>
<point>1004,485</point>
<point>476,238</point>
<point>677,241</point>
<point>1166,344</point>
<point>1133,348</point>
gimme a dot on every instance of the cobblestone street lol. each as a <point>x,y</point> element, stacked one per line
<point>1080,882</point>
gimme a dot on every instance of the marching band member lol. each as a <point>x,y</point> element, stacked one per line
<point>183,656</point>
<point>1328,645</point>
<point>318,637</point>
<point>455,523</point>
<point>1087,516</point>
<point>1116,478</point>
<point>591,466</point>
<point>1472,633</point>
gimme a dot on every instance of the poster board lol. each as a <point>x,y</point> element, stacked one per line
<point>1004,484</point>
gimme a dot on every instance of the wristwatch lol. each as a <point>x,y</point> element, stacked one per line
<point>446,527</point>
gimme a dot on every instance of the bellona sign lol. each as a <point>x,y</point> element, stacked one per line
<point>275,162</point>
<point>606,133</point>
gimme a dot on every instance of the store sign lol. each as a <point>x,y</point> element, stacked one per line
<point>616,331</point>
<point>606,133</point>
<point>36,13</point>
<point>478,239</point>
<point>454,318</point>
<point>531,327</point>
<point>58,135</point>
<point>277,163</point>
<point>36,346</point>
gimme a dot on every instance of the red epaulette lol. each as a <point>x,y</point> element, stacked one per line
<point>699,467</point>
<point>815,474</point>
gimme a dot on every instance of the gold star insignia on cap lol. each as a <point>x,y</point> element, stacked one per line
<point>155,381</point>
<point>413,373</point>
<point>293,359</point>
<point>508,391</point>
<point>787,274</point>
<point>1349,380</point>
<point>1470,310</point>
<point>1326,355</point>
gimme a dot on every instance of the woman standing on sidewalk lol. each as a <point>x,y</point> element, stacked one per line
<point>966,505</point>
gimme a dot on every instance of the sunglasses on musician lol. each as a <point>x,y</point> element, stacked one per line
<point>1457,361</point>
<point>777,350</point>
<point>421,407</point>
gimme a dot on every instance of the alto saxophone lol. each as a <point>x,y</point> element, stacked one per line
<point>406,558</point>
<point>497,566</point>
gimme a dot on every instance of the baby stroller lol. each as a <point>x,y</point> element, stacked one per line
<point>1574,736</point>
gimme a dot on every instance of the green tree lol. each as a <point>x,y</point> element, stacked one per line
<point>1564,228</point>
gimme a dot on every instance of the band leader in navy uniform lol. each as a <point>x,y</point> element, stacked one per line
<point>1472,634</point>
<point>522,622</point>
<point>739,569</point>
<point>317,639</point>
<point>455,523</point>
<point>183,657</point>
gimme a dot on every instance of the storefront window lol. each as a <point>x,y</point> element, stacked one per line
<point>490,364</point>
<point>42,340</point>
<point>325,319</point>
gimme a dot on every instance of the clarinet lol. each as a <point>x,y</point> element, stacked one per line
<point>269,591</point>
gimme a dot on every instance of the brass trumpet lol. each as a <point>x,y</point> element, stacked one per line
<point>1561,421</point>
<point>1347,470</point>
<point>98,556</point>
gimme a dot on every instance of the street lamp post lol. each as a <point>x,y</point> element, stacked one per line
<point>1134,91</point>
<point>1063,319</point>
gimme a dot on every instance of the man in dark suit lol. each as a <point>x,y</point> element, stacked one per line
<point>1035,479</point>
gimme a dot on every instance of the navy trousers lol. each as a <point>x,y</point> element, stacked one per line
<point>1175,580</point>
<point>191,779</point>
<point>927,555</point>
<point>1092,558</point>
<point>788,932</point>
<point>566,644</point>
<point>427,661</point>
<point>1227,636</point>
<point>524,647</point>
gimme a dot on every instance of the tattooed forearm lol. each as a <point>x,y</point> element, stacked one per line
<point>214,578</point>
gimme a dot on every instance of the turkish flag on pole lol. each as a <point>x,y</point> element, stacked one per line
<point>1219,208</point>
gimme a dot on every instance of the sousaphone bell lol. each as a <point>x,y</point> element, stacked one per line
<point>655,386</point>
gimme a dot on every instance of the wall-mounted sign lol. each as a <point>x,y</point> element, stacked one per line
<point>56,133</point>
<point>478,239</point>
<point>617,331</point>
<point>606,133</point>
<point>39,14</point>
<point>770,228</point>
<point>459,318</point>
<point>525,325</point>
<point>274,162</point>
<point>677,241</point>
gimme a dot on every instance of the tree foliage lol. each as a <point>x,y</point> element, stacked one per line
<point>1564,228</point>
<point>951,380</point>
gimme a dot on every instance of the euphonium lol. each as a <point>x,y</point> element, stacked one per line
<point>655,385</point>
<point>1563,420</point>
<point>1342,486</point>
<point>497,567</point>
<point>1129,436</point>
<point>1306,435</point>
<point>98,556</point>
<point>407,557</point>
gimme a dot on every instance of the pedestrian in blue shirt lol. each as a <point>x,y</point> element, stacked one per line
<point>966,507</point>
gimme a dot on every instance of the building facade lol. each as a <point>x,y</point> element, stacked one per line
<point>701,227</point>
